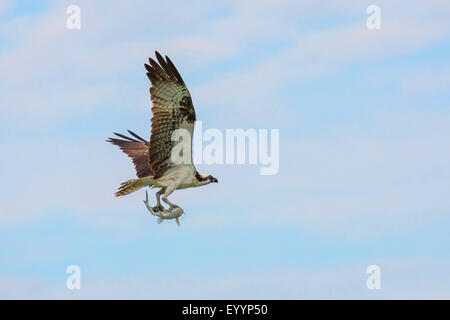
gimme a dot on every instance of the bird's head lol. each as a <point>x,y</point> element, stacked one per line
<point>203,179</point>
<point>212,179</point>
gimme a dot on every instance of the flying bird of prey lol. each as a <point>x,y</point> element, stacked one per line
<point>153,160</point>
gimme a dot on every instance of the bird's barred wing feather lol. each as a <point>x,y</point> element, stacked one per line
<point>137,150</point>
<point>172,109</point>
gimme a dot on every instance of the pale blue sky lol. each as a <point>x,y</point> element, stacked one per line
<point>364,123</point>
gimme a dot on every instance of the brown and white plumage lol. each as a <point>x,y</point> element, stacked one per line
<point>137,150</point>
<point>172,110</point>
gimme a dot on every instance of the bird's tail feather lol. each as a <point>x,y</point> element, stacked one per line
<point>133,185</point>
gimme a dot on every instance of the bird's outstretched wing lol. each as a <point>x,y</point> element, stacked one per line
<point>137,150</point>
<point>172,109</point>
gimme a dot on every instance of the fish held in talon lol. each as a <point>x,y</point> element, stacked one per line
<point>170,214</point>
<point>163,213</point>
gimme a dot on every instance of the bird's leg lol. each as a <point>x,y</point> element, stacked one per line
<point>159,206</point>
<point>167,192</point>
<point>147,204</point>
<point>171,204</point>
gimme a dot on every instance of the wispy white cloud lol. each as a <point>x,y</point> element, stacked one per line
<point>413,278</point>
<point>357,179</point>
<point>346,187</point>
<point>373,187</point>
<point>5,6</point>
<point>316,54</point>
<point>66,70</point>
<point>426,81</point>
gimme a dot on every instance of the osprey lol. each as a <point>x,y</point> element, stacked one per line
<point>154,162</point>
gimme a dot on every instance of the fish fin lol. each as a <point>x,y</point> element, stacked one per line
<point>160,220</point>
<point>178,221</point>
